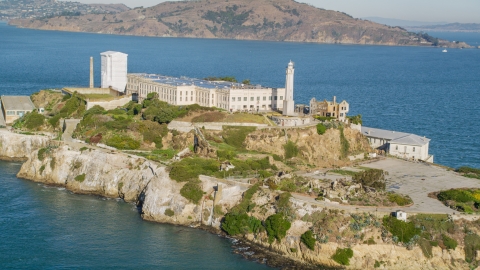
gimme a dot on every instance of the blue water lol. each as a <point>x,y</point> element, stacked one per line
<point>50,228</point>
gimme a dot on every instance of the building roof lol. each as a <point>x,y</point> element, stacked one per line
<point>17,103</point>
<point>112,52</point>
<point>395,136</point>
<point>411,139</point>
<point>185,81</point>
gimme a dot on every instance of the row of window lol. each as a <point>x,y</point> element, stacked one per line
<point>405,148</point>
<point>17,113</point>
<point>258,98</point>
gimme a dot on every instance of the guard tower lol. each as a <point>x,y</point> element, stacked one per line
<point>114,70</point>
<point>288,103</point>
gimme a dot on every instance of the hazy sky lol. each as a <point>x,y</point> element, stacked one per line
<point>466,11</point>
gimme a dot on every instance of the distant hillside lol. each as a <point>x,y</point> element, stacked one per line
<point>401,23</point>
<point>279,20</point>
<point>451,27</point>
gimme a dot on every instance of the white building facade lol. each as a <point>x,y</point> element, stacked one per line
<point>399,144</point>
<point>114,70</point>
<point>225,95</point>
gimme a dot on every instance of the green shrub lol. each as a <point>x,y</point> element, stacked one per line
<point>277,157</point>
<point>291,150</point>
<point>400,200</point>
<point>226,154</point>
<point>34,121</point>
<point>450,243</point>
<point>80,178</point>
<point>54,120</point>
<point>119,124</point>
<point>246,204</point>
<point>192,191</point>
<point>123,142</point>
<point>465,169</point>
<point>283,203</point>
<point>457,195</point>
<point>344,144</point>
<point>120,186</point>
<point>321,129</point>
<point>308,239</point>
<point>240,223</point>
<point>377,264</point>
<point>190,168</point>
<point>343,256</point>
<point>404,231</point>
<point>277,227</point>
<point>52,163</point>
<point>42,169</point>
<point>169,212</point>
<point>472,244</point>
<point>73,104</point>
<point>355,119</point>
<point>42,153</point>
<point>235,136</point>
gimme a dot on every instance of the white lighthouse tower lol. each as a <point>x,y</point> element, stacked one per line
<point>288,103</point>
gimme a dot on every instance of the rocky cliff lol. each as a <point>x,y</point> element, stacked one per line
<point>279,20</point>
<point>319,150</point>
<point>14,146</point>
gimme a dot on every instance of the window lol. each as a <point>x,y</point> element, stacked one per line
<point>413,149</point>
<point>258,98</point>
<point>180,98</point>
<point>233,98</point>
<point>191,98</point>
<point>251,98</point>
<point>281,97</point>
<point>20,113</point>
<point>396,147</point>
<point>270,98</point>
<point>275,98</point>
<point>264,98</point>
<point>244,98</point>
<point>10,113</point>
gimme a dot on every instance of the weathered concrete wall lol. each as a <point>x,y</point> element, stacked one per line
<point>15,146</point>
<point>110,105</point>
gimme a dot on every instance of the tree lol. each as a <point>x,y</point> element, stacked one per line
<point>246,81</point>
<point>277,227</point>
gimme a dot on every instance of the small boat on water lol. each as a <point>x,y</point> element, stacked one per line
<point>444,50</point>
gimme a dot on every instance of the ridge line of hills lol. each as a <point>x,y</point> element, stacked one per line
<point>279,20</point>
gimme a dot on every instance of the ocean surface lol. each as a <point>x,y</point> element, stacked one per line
<point>50,228</point>
<point>409,89</point>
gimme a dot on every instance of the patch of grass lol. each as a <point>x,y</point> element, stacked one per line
<point>321,129</point>
<point>472,244</point>
<point>190,168</point>
<point>52,163</point>
<point>244,118</point>
<point>404,231</point>
<point>169,212</point>
<point>344,144</point>
<point>308,239</point>
<point>277,157</point>
<point>450,243</point>
<point>120,185</point>
<point>235,136</point>
<point>192,191</point>
<point>426,247</point>
<point>214,116</point>
<point>400,200</point>
<point>291,150</point>
<point>343,256</point>
<point>42,169</point>
<point>217,211</point>
<point>123,142</point>
<point>80,178</point>
<point>42,153</point>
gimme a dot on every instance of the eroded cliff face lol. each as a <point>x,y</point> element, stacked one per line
<point>15,146</point>
<point>319,150</point>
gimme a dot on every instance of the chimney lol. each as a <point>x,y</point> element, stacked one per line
<point>91,72</point>
<point>334,100</point>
